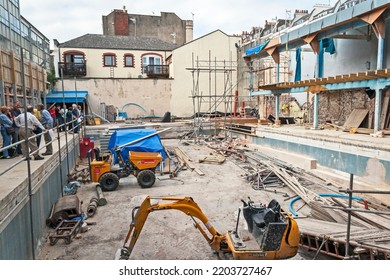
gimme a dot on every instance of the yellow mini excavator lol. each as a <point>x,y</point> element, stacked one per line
<point>274,233</point>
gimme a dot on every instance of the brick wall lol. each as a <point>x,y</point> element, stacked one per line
<point>121,23</point>
<point>336,106</point>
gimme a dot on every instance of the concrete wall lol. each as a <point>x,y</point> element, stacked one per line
<point>22,216</point>
<point>152,94</point>
<point>163,27</point>
<point>216,46</point>
<point>96,68</point>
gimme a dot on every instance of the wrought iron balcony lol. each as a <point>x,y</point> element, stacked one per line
<point>157,71</point>
<point>73,69</point>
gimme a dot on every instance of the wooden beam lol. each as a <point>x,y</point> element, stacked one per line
<point>372,16</point>
<point>384,112</point>
<point>376,21</point>
<point>274,53</point>
<point>313,42</point>
<point>13,71</point>
<point>316,88</point>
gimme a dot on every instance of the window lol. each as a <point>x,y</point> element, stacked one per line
<point>153,60</point>
<point>74,62</point>
<point>73,57</point>
<point>128,60</point>
<point>109,60</point>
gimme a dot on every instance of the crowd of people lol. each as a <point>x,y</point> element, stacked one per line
<point>13,127</point>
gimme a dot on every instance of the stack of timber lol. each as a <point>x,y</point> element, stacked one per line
<point>184,159</point>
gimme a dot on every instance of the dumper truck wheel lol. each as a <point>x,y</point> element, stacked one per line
<point>146,178</point>
<point>109,182</point>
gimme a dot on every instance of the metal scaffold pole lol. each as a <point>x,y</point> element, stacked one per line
<point>219,87</point>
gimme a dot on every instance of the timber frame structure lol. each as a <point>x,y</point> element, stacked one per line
<point>363,13</point>
<point>13,78</point>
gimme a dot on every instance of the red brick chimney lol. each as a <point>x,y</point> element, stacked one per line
<point>121,22</point>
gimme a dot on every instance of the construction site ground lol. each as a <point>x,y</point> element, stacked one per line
<point>216,185</point>
<point>167,235</point>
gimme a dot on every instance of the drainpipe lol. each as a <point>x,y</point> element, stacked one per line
<point>378,91</point>
<point>277,96</point>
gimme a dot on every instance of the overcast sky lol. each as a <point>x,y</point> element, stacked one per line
<point>66,20</point>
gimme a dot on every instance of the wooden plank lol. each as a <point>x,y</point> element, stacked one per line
<point>338,127</point>
<point>387,123</point>
<point>384,112</point>
<point>355,118</point>
<point>180,153</point>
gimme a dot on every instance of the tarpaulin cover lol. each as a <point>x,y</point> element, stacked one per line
<point>123,136</point>
<point>256,49</point>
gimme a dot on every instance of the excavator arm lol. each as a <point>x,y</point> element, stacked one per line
<point>275,234</point>
<point>186,205</point>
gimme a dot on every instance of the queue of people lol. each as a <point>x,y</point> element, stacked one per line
<point>39,119</point>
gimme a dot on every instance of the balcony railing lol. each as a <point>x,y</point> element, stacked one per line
<point>157,71</point>
<point>73,69</point>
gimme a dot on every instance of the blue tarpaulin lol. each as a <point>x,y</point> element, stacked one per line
<point>298,68</point>
<point>123,136</point>
<point>328,44</point>
<point>256,49</point>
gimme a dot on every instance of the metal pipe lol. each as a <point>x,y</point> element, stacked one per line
<point>59,158</point>
<point>378,91</point>
<point>277,105</point>
<point>365,191</point>
<point>142,138</point>
<point>378,109</point>
<point>349,217</point>
<point>358,210</point>
<point>66,125</point>
<point>381,47</point>
<point>235,103</point>
<point>315,111</point>
<point>30,194</point>
<point>238,220</point>
<point>320,73</point>
<point>75,89</point>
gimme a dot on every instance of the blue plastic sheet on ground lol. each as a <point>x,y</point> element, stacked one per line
<point>123,136</point>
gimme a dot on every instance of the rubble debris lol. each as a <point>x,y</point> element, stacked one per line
<point>80,174</point>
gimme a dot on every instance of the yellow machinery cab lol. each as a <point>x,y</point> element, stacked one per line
<point>99,167</point>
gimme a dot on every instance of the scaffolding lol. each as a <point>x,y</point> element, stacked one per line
<point>219,91</point>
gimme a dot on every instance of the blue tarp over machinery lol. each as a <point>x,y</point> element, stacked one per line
<point>131,151</point>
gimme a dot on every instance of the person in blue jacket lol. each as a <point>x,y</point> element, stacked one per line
<point>5,122</point>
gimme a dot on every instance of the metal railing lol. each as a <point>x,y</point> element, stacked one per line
<point>73,69</point>
<point>157,71</point>
<point>30,155</point>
